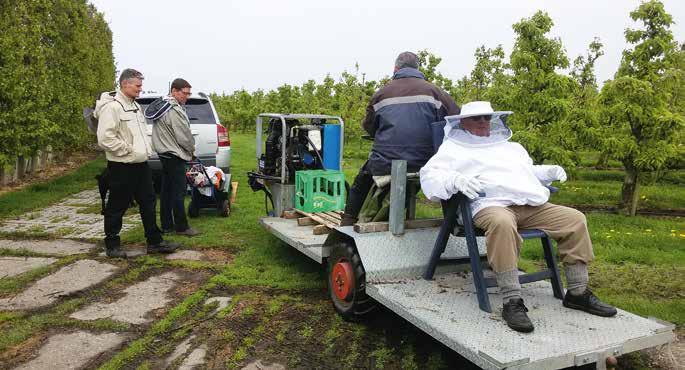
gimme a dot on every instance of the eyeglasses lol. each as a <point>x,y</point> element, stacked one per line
<point>486,117</point>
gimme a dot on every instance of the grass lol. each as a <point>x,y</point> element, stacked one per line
<point>608,194</point>
<point>39,195</point>
<point>639,266</point>
<point>262,260</point>
<point>160,328</point>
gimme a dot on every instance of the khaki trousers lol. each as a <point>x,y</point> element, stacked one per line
<point>565,225</point>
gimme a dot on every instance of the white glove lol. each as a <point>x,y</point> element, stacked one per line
<point>468,185</point>
<point>546,173</point>
<point>556,173</point>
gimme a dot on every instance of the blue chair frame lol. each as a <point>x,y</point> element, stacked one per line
<point>459,203</point>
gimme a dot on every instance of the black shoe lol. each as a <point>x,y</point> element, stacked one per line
<point>167,231</point>
<point>188,232</point>
<point>162,247</point>
<point>588,302</point>
<point>514,313</point>
<point>115,253</point>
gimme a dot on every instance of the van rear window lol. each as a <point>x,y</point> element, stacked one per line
<point>199,111</point>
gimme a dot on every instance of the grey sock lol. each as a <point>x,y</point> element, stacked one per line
<point>509,286</point>
<point>576,277</point>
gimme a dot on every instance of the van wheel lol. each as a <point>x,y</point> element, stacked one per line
<point>347,283</point>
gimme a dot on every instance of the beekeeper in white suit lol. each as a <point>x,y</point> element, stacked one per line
<point>477,156</point>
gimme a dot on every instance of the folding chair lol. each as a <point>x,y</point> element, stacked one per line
<point>459,203</point>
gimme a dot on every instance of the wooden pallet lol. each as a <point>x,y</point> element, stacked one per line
<point>323,222</point>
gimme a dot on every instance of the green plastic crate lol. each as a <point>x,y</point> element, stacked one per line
<point>319,190</point>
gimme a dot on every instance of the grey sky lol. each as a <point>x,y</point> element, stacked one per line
<point>222,46</point>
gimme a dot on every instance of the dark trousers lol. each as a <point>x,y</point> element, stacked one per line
<point>171,208</point>
<point>126,181</point>
<point>358,192</point>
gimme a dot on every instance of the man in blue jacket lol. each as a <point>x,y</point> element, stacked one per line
<point>399,118</point>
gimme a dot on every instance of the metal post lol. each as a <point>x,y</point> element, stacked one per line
<point>398,193</point>
<point>259,138</point>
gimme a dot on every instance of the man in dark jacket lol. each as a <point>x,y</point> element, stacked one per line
<point>398,117</point>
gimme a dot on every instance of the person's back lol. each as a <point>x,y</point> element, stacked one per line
<point>399,117</point>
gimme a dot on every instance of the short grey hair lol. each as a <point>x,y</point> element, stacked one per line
<point>407,59</point>
<point>129,73</point>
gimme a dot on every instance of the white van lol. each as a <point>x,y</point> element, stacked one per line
<point>212,142</point>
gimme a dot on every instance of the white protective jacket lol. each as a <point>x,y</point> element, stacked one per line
<point>504,168</point>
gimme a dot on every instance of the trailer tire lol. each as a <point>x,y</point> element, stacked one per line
<point>347,283</point>
<point>225,209</point>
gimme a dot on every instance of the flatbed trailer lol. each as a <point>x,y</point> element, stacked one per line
<point>368,267</point>
<point>446,307</point>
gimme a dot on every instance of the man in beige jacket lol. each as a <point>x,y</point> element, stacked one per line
<point>121,133</point>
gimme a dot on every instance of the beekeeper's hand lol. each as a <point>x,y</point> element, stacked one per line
<point>468,185</point>
<point>548,173</point>
<point>556,173</point>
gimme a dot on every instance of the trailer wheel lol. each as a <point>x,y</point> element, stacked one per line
<point>225,209</point>
<point>347,283</point>
<point>193,210</point>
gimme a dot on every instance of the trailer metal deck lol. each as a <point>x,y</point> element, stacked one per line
<point>447,309</point>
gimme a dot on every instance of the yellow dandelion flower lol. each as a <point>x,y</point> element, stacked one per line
<point>648,230</point>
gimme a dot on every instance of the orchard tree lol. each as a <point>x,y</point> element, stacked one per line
<point>583,119</point>
<point>540,96</point>
<point>55,56</point>
<point>428,63</point>
<point>641,124</point>
<point>583,71</point>
<point>489,68</point>
<point>488,80</point>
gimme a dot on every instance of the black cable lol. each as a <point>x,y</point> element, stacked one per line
<point>315,150</point>
<point>267,194</point>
